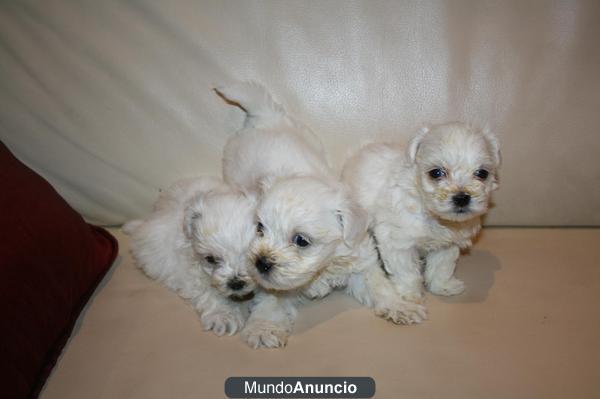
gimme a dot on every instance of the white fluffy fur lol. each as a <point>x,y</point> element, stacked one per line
<point>192,220</point>
<point>413,215</point>
<point>283,160</point>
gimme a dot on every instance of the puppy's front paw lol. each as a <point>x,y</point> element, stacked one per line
<point>317,291</point>
<point>265,334</point>
<point>451,287</point>
<point>223,322</point>
<point>403,312</point>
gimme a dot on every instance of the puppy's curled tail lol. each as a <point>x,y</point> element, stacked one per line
<point>256,101</point>
<point>131,226</point>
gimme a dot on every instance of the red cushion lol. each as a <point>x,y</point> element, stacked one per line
<point>50,263</point>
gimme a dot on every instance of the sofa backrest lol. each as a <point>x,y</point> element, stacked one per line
<point>111,101</point>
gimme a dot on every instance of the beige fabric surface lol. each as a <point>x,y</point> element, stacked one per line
<point>111,100</point>
<point>527,327</point>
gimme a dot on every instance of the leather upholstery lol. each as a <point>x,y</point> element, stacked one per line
<point>524,328</point>
<point>112,100</point>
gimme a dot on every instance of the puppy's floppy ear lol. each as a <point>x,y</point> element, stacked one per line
<point>413,144</point>
<point>190,215</point>
<point>354,221</point>
<point>493,145</point>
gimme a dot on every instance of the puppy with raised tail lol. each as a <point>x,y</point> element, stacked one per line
<point>426,201</point>
<point>311,237</point>
<point>196,243</point>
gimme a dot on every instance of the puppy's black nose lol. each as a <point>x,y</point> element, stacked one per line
<point>461,199</point>
<point>263,264</point>
<point>236,284</point>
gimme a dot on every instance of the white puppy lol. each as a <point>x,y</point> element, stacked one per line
<point>425,201</point>
<point>311,237</point>
<point>196,242</point>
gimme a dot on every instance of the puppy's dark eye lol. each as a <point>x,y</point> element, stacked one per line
<point>481,174</point>
<point>436,173</point>
<point>300,241</point>
<point>260,229</point>
<point>211,259</point>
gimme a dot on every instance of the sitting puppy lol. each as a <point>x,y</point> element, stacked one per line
<point>426,201</point>
<point>311,237</point>
<point>196,243</point>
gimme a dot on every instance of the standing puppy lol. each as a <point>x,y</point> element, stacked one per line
<point>426,201</point>
<point>196,243</point>
<point>311,237</point>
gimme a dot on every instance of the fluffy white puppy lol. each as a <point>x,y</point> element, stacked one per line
<point>196,243</point>
<point>311,237</point>
<point>426,200</point>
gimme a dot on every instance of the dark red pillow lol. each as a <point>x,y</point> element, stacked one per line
<point>50,263</point>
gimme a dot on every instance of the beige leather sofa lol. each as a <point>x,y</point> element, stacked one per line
<point>113,100</point>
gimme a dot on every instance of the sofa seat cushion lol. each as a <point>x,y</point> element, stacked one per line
<point>524,328</point>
